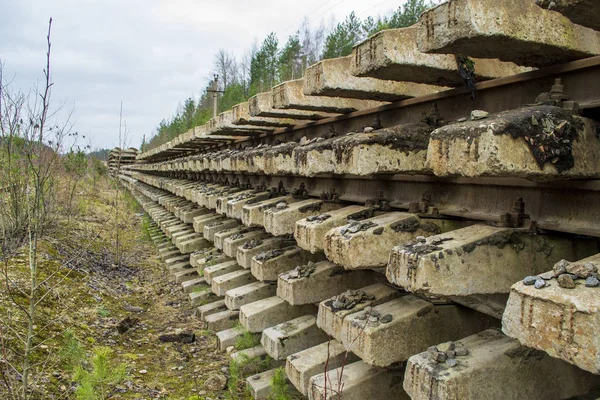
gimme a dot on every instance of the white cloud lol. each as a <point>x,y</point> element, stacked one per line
<point>149,54</point>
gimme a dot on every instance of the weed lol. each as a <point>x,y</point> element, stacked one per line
<point>94,384</point>
<point>279,386</point>
<point>72,352</point>
<point>247,340</point>
<point>146,224</point>
<point>102,312</point>
<point>243,367</point>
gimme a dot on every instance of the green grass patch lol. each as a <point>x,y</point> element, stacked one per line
<point>279,386</point>
<point>247,340</point>
<point>102,312</point>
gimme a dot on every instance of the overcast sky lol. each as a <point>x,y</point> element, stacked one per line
<point>149,54</point>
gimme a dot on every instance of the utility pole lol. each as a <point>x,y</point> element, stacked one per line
<point>215,91</point>
<point>215,94</point>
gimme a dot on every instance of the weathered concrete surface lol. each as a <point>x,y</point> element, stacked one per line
<point>256,353</point>
<point>172,224</point>
<point>310,232</point>
<point>188,213</point>
<point>260,387</point>
<point>489,304</point>
<point>223,125</point>
<point>174,229</point>
<point>225,163</point>
<point>184,236</point>
<point>249,250</point>
<point>241,116</point>
<point>313,283</point>
<point>165,246</point>
<point>210,260</point>
<point>292,336</point>
<point>516,143</point>
<point>170,252</point>
<point>397,149</point>
<point>279,159</point>
<point>253,213</point>
<point>237,297</point>
<point>315,157</point>
<point>203,220</point>
<point>330,318</point>
<point>400,149</point>
<point>194,244</point>
<point>251,353</point>
<point>201,297</point>
<point>392,332</point>
<point>258,316</point>
<point>496,367</point>
<point>249,159</point>
<point>188,218</point>
<point>478,259</point>
<point>232,243</point>
<point>282,220</point>
<point>222,201</point>
<point>220,269</point>
<point>301,366</point>
<point>201,187</point>
<point>262,105</point>
<point>228,337</point>
<point>332,77</point>
<point>198,192</point>
<point>236,204</point>
<point>562,322</point>
<point>237,231</point>
<point>359,381</point>
<point>176,259</point>
<point>185,275</point>
<point>222,283</point>
<point>367,243</point>
<point>211,229</point>
<point>267,266</point>
<point>211,308</point>
<point>179,267</point>
<point>221,320</point>
<point>290,94</point>
<point>204,196</point>
<point>213,198</point>
<point>581,12</point>
<point>200,255</point>
<point>514,30</point>
<point>194,284</point>
<point>392,54</point>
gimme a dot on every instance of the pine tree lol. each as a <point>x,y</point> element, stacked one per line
<point>263,66</point>
<point>405,16</point>
<point>344,36</point>
<point>289,63</point>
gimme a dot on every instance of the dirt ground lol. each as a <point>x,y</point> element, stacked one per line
<point>90,291</point>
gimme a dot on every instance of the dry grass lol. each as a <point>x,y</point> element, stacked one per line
<point>90,301</point>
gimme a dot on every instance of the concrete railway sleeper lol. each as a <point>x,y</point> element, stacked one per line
<point>369,315</point>
<point>389,233</point>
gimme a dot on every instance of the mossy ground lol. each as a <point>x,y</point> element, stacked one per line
<point>93,291</point>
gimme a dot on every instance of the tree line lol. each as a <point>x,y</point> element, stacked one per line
<point>268,64</point>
